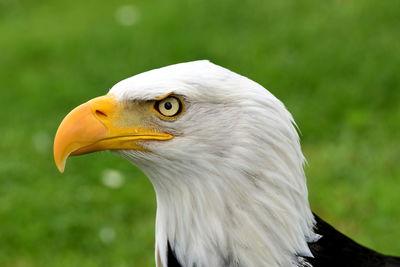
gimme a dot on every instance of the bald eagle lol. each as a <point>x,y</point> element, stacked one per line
<point>224,157</point>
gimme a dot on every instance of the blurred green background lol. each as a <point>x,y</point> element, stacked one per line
<point>334,63</point>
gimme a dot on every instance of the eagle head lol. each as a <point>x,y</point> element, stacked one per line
<point>223,155</point>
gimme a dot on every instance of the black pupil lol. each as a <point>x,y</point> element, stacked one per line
<point>167,105</point>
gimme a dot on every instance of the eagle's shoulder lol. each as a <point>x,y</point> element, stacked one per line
<point>336,249</point>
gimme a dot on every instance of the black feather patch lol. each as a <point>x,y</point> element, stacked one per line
<point>172,260</point>
<point>335,249</point>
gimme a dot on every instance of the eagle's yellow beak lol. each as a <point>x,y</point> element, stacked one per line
<point>102,124</point>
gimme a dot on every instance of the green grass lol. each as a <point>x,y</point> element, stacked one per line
<point>335,64</point>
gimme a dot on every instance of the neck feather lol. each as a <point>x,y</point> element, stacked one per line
<point>231,216</point>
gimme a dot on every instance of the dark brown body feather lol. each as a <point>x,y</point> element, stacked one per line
<point>336,249</point>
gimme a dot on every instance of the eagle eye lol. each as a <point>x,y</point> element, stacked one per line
<point>169,107</point>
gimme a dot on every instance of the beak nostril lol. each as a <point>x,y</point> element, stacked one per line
<point>101,113</point>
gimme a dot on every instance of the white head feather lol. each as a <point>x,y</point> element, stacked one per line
<point>230,186</point>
